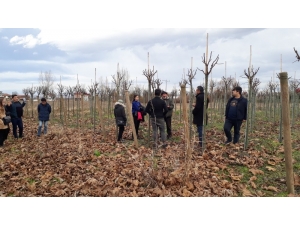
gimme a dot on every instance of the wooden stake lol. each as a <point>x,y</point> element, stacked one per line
<point>287,131</point>
<point>128,106</point>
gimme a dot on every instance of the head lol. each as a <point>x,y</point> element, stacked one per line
<point>43,101</point>
<point>164,95</point>
<point>157,92</point>
<point>237,91</point>
<point>136,98</point>
<point>15,98</point>
<point>199,90</point>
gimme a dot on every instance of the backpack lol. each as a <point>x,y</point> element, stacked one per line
<point>6,120</point>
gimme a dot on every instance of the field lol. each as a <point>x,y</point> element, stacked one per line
<point>83,159</point>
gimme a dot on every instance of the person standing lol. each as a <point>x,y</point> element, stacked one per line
<point>44,110</point>
<point>157,109</point>
<point>4,129</point>
<point>235,114</point>
<point>120,117</point>
<point>137,113</point>
<point>16,113</point>
<point>168,116</point>
<point>198,112</point>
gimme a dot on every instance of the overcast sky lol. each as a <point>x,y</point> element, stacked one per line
<point>70,50</point>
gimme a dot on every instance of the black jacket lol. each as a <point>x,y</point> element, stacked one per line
<point>241,108</point>
<point>119,112</point>
<point>16,109</point>
<point>160,108</point>
<point>44,111</point>
<point>198,110</point>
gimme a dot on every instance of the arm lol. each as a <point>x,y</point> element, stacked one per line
<point>199,104</point>
<point>38,108</point>
<point>124,114</point>
<point>171,105</point>
<point>147,110</point>
<point>165,108</point>
<point>49,109</point>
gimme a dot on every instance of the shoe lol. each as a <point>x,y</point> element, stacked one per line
<point>227,142</point>
<point>164,145</point>
<point>169,136</point>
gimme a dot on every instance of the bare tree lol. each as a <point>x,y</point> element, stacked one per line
<point>32,91</point>
<point>206,72</point>
<point>117,80</point>
<point>46,80</point>
<point>250,76</point>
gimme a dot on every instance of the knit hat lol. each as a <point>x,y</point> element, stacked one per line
<point>121,101</point>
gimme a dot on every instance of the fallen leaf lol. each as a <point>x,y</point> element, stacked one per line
<point>253,184</point>
<point>271,188</point>
<point>247,193</point>
<point>270,168</point>
<point>256,171</point>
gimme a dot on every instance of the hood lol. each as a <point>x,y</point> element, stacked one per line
<point>118,103</point>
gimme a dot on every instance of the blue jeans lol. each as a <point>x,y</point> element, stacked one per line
<point>40,127</point>
<point>199,128</point>
<point>17,123</point>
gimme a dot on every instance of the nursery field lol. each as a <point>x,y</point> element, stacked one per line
<point>79,159</point>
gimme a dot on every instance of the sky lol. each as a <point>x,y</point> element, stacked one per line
<point>68,50</point>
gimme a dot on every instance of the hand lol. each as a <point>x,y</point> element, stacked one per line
<point>244,121</point>
<point>194,105</point>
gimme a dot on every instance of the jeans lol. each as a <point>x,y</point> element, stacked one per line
<point>236,124</point>
<point>121,130</point>
<point>40,127</point>
<point>168,124</point>
<point>17,123</point>
<point>199,129</point>
<point>158,123</point>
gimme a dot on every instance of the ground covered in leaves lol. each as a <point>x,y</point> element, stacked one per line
<point>81,162</point>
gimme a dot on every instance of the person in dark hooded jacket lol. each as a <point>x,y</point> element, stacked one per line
<point>120,117</point>
<point>198,112</point>
<point>44,110</point>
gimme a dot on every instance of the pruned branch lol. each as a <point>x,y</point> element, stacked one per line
<point>297,55</point>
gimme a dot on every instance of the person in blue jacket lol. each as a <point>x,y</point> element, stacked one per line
<point>235,115</point>
<point>137,108</point>
<point>44,110</point>
<point>15,110</point>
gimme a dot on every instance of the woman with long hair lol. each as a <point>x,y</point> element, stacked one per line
<point>138,113</point>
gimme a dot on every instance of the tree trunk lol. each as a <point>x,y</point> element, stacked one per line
<point>130,116</point>
<point>287,131</point>
<point>186,132</point>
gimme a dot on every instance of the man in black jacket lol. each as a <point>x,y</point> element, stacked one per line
<point>157,109</point>
<point>198,112</point>
<point>235,114</point>
<point>16,113</point>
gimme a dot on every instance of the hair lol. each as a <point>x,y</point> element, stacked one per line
<point>13,95</point>
<point>200,88</point>
<point>43,100</point>
<point>157,92</point>
<point>164,92</point>
<point>134,97</point>
<point>1,100</point>
<point>238,89</point>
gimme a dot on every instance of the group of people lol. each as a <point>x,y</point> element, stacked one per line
<point>14,110</point>
<point>160,110</point>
